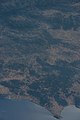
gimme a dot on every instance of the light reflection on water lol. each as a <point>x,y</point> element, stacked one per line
<point>25,110</point>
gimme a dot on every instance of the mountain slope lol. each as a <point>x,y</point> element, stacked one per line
<point>39,52</point>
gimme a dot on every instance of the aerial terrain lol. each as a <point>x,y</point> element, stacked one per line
<point>40,52</point>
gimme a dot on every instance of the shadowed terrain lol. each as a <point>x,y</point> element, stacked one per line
<point>40,52</point>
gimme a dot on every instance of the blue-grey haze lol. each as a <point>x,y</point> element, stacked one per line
<point>26,110</point>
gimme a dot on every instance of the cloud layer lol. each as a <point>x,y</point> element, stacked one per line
<point>25,110</point>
